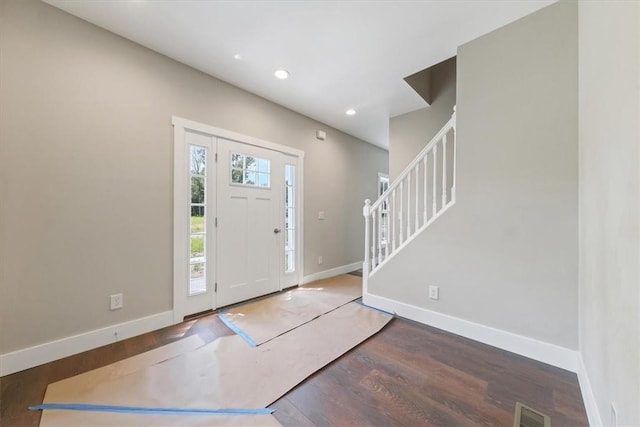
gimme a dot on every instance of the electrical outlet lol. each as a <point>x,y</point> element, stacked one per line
<point>321,215</point>
<point>434,292</point>
<point>320,260</point>
<point>117,301</point>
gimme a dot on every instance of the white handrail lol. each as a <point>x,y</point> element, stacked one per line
<point>383,240</point>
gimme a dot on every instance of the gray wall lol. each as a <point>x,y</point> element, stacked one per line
<point>86,174</point>
<point>409,133</point>
<point>506,255</point>
<point>609,112</point>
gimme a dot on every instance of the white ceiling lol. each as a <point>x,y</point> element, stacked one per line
<point>341,54</point>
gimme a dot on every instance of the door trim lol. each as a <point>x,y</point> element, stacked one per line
<point>181,197</point>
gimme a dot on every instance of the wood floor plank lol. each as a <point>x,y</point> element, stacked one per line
<point>287,414</point>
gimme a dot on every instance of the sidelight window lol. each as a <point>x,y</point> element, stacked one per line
<point>198,220</point>
<point>290,215</point>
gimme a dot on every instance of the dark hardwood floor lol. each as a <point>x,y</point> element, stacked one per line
<point>407,375</point>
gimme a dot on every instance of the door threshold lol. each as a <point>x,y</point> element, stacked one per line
<point>198,315</point>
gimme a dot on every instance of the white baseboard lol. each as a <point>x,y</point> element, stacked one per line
<point>54,350</point>
<point>590,405</point>
<point>544,352</point>
<point>344,269</point>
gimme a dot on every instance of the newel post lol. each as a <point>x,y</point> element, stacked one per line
<point>366,212</point>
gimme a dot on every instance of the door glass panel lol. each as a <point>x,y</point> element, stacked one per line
<point>250,178</point>
<point>289,196</point>
<point>251,164</point>
<point>263,180</point>
<point>288,218</point>
<point>290,213</point>
<point>250,170</point>
<point>263,165</point>
<point>197,189</point>
<point>198,220</point>
<point>288,265</point>
<point>198,160</point>
<point>197,279</point>
<point>197,246</point>
<point>236,176</point>
<point>288,244</point>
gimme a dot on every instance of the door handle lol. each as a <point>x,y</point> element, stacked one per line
<point>276,230</point>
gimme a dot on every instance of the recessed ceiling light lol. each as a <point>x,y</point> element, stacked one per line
<point>350,112</point>
<point>281,74</point>
<point>237,56</point>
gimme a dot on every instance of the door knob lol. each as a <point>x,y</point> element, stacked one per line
<point>276,230</point>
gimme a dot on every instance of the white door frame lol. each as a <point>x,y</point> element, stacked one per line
<point>180,204</point>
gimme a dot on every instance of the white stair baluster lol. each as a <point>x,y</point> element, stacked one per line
<point>408,205</point>
<point>417,225</point>
<point>380,234</point>
<point>424,172</point>
<point>453,183</point>
<point>386,229</point>
<point>366,212</point>
<point>373,238</point>
<point>400,216</point>
<point>392,220</point>
<point>444,170</point>
<point>435,194</point>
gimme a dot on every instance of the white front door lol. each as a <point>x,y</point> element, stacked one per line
<point>250,221</point>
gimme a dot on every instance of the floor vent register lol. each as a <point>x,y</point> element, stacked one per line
<point>527,417</point>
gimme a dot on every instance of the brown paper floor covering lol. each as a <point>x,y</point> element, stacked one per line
<point>225,373</point>
<point>268,318</point>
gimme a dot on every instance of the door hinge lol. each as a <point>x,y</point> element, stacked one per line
<point>215,288</point>
<point>216,157</point>
<point>215,222</point>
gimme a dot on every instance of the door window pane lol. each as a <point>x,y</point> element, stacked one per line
<point>263,180</point>
<point>197,278</point>
<point>250,163</point>
<point>197,219</point>
<point>289,196</point>
<point>197,189</point>
<point>250,170</point>
<point>197,246</point>
<point>198,160</point>
<point>288,262</point>
<point>236,176</point>
<point>289,219</point>
<point>263,165</point>
<point>250,178</point>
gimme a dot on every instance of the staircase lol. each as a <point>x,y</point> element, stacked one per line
<point>415,199</point>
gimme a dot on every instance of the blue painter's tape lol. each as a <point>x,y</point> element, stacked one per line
<point>154,411</point>
<point>242,334</point>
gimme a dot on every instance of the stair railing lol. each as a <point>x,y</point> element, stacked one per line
<point>415,199</point>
